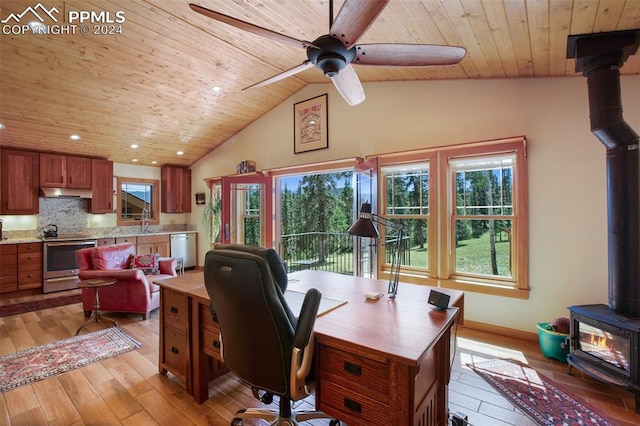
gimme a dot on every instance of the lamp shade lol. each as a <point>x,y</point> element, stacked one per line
<point>363,227</point>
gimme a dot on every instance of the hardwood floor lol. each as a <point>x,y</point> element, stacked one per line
<point>128,390</point>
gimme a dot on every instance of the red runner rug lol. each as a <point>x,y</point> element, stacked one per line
<point>36,305</point>
<point>37,363</point>
<point>539,397</point>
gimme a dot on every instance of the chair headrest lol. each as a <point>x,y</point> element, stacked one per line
<point>270,255</point>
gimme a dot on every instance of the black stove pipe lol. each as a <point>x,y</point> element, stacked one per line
<point>599,57</point>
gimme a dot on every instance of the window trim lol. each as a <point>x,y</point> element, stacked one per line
<point>518,285</point>
<point>440,220</point>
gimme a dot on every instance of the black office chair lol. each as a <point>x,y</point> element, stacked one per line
<point>262,341</point>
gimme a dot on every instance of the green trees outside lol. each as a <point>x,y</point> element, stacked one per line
<point>318,204</point>
<point>483,193</point>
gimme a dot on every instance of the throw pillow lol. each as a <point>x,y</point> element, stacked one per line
<point>148,263</point>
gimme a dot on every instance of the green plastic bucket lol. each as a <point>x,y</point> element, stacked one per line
<point>553,344</point>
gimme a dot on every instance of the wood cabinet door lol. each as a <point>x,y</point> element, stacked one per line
<point>170,187</point>
<point>53,170</point>
<point>185,188</point>
<point>78,172</point>
<point>102,194</point>
<point>19,193</point>
<point>162,249</point>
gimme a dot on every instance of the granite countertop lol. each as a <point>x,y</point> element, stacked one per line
<point>20,240</point>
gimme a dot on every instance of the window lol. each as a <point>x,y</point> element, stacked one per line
<point>134,196</point>
<point>406,202</point>
<point>464,211</point>
<point>484,227</point>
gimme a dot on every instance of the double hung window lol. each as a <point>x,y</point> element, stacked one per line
<point>464,211</point>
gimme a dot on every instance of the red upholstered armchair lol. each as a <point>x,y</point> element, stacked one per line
<point>133,292</point>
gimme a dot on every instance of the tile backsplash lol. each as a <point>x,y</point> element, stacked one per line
<point>71,216</point>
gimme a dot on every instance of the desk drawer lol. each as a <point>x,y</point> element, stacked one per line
<point>175,351</point>
<point>352,407</point>
<point>175,310</point>
<point>365,376</point>
<point>209,332</point>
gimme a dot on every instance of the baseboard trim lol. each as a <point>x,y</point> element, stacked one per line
<point>501,331</point>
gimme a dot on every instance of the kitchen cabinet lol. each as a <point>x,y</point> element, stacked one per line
<point>120,240</point>
<point>29,266</point>
<point>175,183</point>
<point>149,244</point>
<point>19,190</point>
<point>102,186</point>
<point>65,171</point>
<point>8,267</point>
<point>106,242</point>
<point>20,266</point>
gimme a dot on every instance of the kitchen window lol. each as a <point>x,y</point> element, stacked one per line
<point>137,197</point>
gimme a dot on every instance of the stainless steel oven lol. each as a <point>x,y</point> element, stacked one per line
<point>60,266</point>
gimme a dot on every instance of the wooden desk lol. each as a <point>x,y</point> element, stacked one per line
<point>377,362</point>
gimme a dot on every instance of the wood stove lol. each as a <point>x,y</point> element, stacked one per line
<point>606,346</point>
<point>605,338</point>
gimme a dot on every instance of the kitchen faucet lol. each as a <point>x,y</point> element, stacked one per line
<point>145,220</point>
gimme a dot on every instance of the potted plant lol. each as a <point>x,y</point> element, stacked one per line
<point>212,218</point>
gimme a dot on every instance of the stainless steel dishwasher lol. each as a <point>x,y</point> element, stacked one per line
<point>184,246</point>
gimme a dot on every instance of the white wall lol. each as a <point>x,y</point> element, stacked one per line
<point>567,188</point>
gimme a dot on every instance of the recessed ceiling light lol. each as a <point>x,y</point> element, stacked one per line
<point>154,162</point>
<point>180,152</point>
<point>135,160</point>
<point>75,137</point>
<point>134,146</point>
<point>2,126</point>
<point>216,89</point>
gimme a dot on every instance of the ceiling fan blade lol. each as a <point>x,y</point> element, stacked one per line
<point>354,18</point>
<point>349,86</point>
<point>407,55</point>
<point>288,73</point>
<point>255,29</point>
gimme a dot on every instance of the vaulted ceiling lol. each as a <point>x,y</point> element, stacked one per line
<point>151,82</point>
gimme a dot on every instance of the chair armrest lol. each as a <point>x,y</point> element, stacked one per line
<point>307,318</point>
<point>302,353</point>
<point>118,274</point>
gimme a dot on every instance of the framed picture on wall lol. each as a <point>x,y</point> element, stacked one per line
<point>310,125</point>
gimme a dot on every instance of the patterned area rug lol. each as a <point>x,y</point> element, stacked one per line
<point>539,397</point>
<point>30,365</point>
<point>36,305</point>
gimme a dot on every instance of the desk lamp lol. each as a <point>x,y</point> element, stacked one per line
<point>363,227</point>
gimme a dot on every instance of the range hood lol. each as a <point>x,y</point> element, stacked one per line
<point>65,193</point>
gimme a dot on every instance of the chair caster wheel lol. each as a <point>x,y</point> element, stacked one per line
<point>334,423</point>
<point>236,422</point>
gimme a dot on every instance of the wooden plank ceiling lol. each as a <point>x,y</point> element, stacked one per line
<point>153,84</point>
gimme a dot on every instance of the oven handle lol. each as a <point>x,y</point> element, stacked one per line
<point>73,243</point>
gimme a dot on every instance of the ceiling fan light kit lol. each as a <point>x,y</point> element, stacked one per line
<point>334,53</point>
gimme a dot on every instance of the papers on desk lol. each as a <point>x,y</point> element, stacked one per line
<point>295,298</point>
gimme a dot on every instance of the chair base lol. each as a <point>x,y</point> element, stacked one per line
<point>275,419</point>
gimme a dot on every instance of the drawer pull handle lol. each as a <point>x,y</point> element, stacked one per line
<point>352,405</point>
<point>216,344</point>
<point>175,350</point>
<point>174,310</point>
<point>354,369</point>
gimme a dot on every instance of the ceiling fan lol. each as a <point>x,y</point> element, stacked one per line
<point>334,53</point>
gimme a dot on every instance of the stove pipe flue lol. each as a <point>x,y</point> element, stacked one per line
<point>599,58</point>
